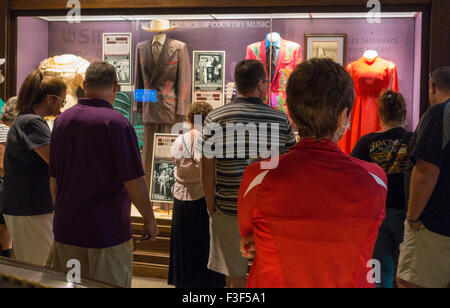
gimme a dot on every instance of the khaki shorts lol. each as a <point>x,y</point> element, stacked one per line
<point>225,255</point>
<point>112,265</point>
<point>424,258</point>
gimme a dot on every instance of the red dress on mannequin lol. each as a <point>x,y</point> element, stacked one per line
<point>371,77</point>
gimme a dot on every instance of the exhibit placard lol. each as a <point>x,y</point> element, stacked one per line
<point>163,169</point>
<point>209,77</point>
<point>117,48</point>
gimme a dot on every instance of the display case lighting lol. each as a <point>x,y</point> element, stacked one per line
<point>168,17</point>
<point>363,15</point>
<point>231,16</point>
<point>261,16</point>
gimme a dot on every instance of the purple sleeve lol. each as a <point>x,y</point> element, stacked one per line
<point>52,161</point>
<point>125,147</point>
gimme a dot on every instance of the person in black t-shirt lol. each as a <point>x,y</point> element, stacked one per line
<point>389,149</point>
<point>26,201</point>
<point>425,254</point>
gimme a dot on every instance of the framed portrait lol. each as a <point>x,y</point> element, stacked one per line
<point>209,77</point>
<point>117,48</point>
<point>163,169</point>
<point>332,46</point>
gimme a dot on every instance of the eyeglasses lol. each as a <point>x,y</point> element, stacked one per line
<point>64,102</point>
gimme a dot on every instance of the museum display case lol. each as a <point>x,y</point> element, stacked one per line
<point>199,52</point>
<point>407,36</point>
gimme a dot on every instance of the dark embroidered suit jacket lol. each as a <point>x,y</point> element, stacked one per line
<point>171,77</point>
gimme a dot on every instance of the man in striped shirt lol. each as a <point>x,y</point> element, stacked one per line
<point>234,136</point>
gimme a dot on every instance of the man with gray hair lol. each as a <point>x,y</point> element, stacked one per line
<point>95,170</point>
<point>424,254</point>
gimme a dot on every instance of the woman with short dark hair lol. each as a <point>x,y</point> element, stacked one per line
<point>389,148</point>
<point>189,240</point>
<point>315,217</point>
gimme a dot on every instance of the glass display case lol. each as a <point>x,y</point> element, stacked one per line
<point>209,47</point>
<point>15,274</point>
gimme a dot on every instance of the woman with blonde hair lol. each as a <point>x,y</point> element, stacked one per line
<point>26,201</point>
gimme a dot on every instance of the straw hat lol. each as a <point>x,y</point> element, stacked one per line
<point>158,26</point>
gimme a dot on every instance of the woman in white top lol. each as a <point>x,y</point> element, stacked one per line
<point>189,241</point>
<point>8,114</point>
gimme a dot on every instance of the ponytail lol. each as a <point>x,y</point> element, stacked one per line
<point>35,88</point>
<point>392,107</point>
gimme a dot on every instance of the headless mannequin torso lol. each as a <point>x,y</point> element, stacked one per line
<point>160,37</point>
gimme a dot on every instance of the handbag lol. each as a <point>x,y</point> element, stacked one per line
<point>191,153</point>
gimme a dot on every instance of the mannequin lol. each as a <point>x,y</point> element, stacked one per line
<point>370,54</point>
<point>71,69</point>
<point>159,37</point>
<point>169,73</point>
<point>289,55</point>
<point>371,75</point>
<point>273,37</point>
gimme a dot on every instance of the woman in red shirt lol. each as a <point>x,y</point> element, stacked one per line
<point>315,217</point>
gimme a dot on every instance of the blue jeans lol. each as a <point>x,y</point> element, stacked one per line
<point>387,246</point>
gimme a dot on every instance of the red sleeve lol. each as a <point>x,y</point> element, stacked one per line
<point>393,85</point>
<point>247,199</point>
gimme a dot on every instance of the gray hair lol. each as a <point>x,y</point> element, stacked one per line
<point>9,111</point>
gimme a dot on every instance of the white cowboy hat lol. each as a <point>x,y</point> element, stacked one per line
<point>158,26</point>
<point>2,61</point>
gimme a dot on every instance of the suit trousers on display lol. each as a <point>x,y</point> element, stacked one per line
<point>149,131</point>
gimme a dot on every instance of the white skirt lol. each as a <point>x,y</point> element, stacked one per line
<point>32,237</point>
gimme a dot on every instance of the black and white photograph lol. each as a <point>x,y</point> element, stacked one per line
<point>163,169</point>
<point>209,70</point>
<point>117,49</point>
<point>122,66</point>
<point>163,180</point>
<point>209,77</point>
<point>333,46</point>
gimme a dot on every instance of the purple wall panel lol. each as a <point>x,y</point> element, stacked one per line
<point>394,39</point>
<point>32,46</point>
<point>417,71</point>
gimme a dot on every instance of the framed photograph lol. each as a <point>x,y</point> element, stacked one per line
<point>163,169</point>
<point>117,49</point>
<point>209,77</point>
<point>332,46</point>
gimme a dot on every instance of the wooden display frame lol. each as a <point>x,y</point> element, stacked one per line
<point>340,39</point>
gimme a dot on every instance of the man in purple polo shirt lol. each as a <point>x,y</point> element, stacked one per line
<point>95,169</point>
